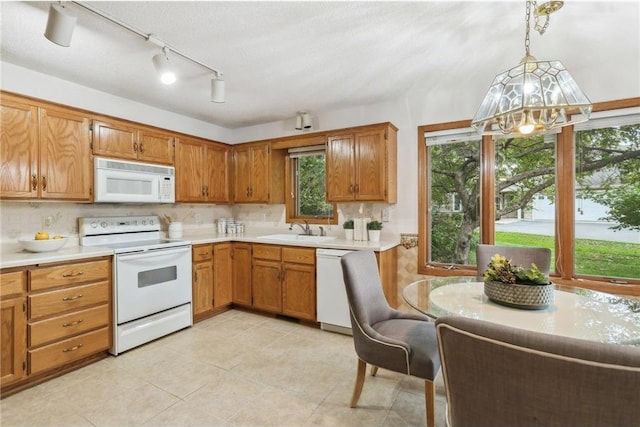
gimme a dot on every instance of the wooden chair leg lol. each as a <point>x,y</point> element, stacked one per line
<point>357,389</point>
<point>374,371</point>
<point>429,397</point>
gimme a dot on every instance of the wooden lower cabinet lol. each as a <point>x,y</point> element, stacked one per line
<point>284,280</point>
<point>222,275</point>
<point>241,255</point>
<point>388,269</point>
<point>212,279</point>
<point>13,320</point>
<point>68,322</point>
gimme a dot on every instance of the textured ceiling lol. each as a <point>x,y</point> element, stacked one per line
<point>282,57</point>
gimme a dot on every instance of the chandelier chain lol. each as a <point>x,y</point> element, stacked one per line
<point>527,19</point>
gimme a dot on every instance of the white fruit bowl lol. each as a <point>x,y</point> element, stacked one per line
<point>33,245</point>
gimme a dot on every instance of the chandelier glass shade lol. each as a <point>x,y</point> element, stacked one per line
<point>532,97</point>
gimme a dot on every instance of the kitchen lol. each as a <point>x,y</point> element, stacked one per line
<point>428,103</point>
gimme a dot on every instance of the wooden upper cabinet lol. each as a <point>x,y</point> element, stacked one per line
<point>258,173</point>
<point>19,150</point>
<point>155,146</point>
<point>45,151</point>
<point>218,176</point>
<point>65,155</point>
<point>120,139</point>
<point>202,171</point>
<point>362,165</point>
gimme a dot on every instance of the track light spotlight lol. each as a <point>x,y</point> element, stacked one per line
<point>163,67</point>
<point>298,122</point>
<point>306,121</point>
<point>217,89</point>
<point>60,25</point>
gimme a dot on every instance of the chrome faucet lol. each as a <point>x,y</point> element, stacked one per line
<point>305,228</point>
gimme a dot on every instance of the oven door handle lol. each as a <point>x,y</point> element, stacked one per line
<point>153,253</point>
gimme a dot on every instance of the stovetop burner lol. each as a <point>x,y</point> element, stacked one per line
<point>125,234</point>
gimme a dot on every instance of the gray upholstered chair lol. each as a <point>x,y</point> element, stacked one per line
<point>384,337</point>
<point>497,375</point>
<point>521,256</point>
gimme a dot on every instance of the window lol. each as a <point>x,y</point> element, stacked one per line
<point>454,172</point>
<point>576,192</point>
<point>607,188</point>
<point>306,181</point>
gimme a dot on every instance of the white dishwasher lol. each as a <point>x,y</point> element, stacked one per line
<point>331,297</point>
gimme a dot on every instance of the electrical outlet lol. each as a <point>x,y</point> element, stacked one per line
<point>47,221</point>
<point>385,215</point>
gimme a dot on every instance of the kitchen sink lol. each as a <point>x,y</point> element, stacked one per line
<point>297,238</point>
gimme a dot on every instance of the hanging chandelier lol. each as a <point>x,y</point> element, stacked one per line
<point>534,96</point>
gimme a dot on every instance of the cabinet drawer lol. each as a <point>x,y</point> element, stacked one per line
<point>299,255</point>
<point>70,350</point>
<point>68,299</point>
<point>13,283</point>
<point>271,252</point>
<point>68,325</point>
<point>202,253</point>
<point>51,277</point>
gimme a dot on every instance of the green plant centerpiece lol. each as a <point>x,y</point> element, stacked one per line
<point>516,286</point>
<point>374,225</point>
<point>348,224</point>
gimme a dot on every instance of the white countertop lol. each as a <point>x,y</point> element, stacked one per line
<point>12,255</point>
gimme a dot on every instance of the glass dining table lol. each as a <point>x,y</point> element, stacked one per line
<point>576,312</point>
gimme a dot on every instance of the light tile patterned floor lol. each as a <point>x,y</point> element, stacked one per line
<point>236,369</point>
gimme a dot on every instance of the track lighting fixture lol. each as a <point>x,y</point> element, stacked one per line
<point>60,25</point>
<point>163,67</point>
<point>217,88</point>
<point>61,22</point>
<point>303,120</point>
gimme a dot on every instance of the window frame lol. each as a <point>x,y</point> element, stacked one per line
<point>290,203</point>
<point>565,204</point>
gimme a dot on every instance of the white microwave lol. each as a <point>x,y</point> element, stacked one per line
<point>121,181</point>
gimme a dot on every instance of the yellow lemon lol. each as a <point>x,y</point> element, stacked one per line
<point>42,235</point>
<point>57,236</point>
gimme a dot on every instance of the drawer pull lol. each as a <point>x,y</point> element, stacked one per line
<point>72,298</point>
<point>74,348</point>
<point>73,274</point>
<point>77,322</point>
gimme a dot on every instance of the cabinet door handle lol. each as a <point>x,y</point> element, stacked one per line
<point>141,148</point>
<point>203,191</point>
<point>34,182</point>
<point>207,190</point>
<point>74,348</point>
<point>75,297</point>
<point>44,183</point>
<point>77,322</point>
<point>350,188</point>
<point>73,274</point>
<point>247,191</point>
<point>357,188</point>
<point>135,147</point>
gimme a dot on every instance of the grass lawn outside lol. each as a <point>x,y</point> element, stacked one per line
<point>593,257</point>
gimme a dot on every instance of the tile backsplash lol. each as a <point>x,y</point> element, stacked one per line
<point>21,220</point>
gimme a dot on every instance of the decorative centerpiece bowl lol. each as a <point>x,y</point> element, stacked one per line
<point>513,286</point>
<point>48,245</point>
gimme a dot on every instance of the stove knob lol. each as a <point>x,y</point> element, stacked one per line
<point>150,222</point>
<point>135,222</point>
<point>144,222</point>
<point>94,224</point>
